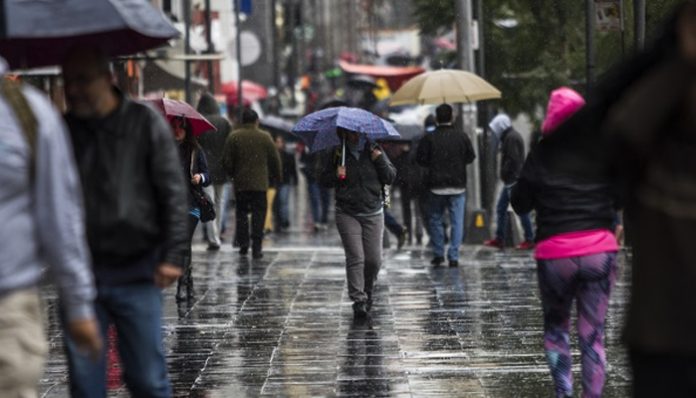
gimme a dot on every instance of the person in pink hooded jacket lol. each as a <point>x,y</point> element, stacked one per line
<point>575,252</point>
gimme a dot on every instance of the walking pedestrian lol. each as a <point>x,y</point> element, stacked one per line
<point>359,185</point>
<point>195,168</point>
<point>135,199</point>
<point>289,179</point>
<point>250,158</point>
<point>512,159</point>
<point>445,153</point>
<point>213,143</point>
<point>576,255</point>
<point>639,130</point>
<point>43,224</point>
<point>319,196</point>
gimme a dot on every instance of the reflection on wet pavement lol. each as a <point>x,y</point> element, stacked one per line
<point>283,326</point>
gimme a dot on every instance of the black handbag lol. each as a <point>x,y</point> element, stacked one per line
<point>202,199</point>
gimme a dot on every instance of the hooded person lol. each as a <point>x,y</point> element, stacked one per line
<point>512,158</point>
<point>637,130</point>
<point>575,252</point>
<point>213,143</point>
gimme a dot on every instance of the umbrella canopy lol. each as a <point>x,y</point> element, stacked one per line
<point>278,126</point>
<point>172,109</point>
<point>251,91</point>
<point>362,82</point>
<point>445,85</point>
<point>318,129</point>
<point>39,33</point>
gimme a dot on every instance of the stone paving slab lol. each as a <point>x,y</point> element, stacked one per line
<point>283,327</point>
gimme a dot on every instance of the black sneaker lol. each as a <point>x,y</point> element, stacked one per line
<point>401,239</point>
<point>453,263</point>
<point>212,247</point>
<point>359,309</point>
<point>437,261</point>
<point>243,251</point>
<point>257,255</point>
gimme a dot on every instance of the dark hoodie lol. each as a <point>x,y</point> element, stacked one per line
<point>213,142</point>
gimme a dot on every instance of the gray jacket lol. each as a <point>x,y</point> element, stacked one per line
<point>42,218</point>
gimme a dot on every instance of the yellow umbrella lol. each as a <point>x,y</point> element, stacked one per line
<point>444,85</point>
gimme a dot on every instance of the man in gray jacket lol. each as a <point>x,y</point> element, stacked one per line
<point>40,206</point>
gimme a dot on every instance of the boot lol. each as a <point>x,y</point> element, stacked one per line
<point>189,283</point>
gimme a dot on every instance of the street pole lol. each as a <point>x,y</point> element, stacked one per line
<point>276,55</point>
<point>639,23</point>
<point>209,41</point>
<point>237,24</point>
<point>589,45</point>
<point>466,62</point>
<point>187,50</point>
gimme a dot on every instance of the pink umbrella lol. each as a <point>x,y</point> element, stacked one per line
<point>172,109</point>
<point>250,92</point>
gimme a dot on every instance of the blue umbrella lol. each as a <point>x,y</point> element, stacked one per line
<point>318,129</point>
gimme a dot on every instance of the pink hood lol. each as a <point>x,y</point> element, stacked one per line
<point>564,102</point>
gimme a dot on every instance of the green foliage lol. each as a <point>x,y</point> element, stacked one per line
<point>546,47</point>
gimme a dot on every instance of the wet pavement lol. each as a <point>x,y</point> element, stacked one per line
<point>283,326</point>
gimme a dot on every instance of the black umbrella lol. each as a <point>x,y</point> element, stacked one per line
<point>362,82</point>
<point>39,33</point>
<point>278,126</point>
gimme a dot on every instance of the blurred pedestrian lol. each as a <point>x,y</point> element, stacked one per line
<point>638,129</point>
<point>251,159</point>
<point>43,224</point>
<point>319,196</point>
<point>359,185</point>
<point>213,143</point>
<point>445,153</point>
<point>289,179</point>
<point>195,167</point>
<point>135,203</point>
<point>511,161</point>
<point>576,255</point>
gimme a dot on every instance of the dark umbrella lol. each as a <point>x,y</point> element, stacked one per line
<point>278,126</point>
<point>331,102</point>
<point>39,33</point>
<point>173,109</point>
<point>362,82</point>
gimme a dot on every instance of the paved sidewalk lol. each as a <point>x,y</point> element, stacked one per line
<point>283,326</point>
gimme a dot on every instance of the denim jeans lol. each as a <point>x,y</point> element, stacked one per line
<point>454,205</point>
<point>319,198</point>
<point>362,241</point>
<point>501,212</point>
<point>136,312</point>
<point>282,205</point>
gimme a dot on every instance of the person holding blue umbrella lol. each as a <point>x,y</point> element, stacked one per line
<point>358,169</point>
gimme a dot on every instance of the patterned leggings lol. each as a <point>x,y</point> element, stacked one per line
<point>589,280</point>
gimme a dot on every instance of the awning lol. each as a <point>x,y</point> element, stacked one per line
<point>394,75</point>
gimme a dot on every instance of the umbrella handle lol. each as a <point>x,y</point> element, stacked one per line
<point>343,156</point>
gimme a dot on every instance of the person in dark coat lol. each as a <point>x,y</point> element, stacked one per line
<point>251,159</point>
<point>576,254</point>
<point>195,168</point>
<point>446,153</point>
<point>638,129</point>
<point>512,158</point>
<point>213,143</point>
<point>359,211</point>
<point>281,204</point>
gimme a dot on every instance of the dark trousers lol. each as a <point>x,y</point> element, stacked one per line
<point>663,375</point>
<point>254,203</point>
